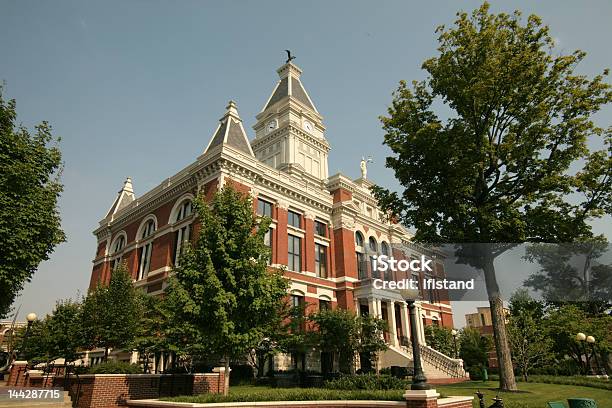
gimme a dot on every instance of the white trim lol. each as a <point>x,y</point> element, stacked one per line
<point>141,226</point>
<point>176,206</point>
<point>114,241</point>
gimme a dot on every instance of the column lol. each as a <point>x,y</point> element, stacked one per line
<point>371,307</point>
<point>392,323</point>
<point>420,326</point>
<point>404,317</point>
<point>378,303</point>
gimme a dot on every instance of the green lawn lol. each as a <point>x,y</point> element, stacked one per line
<point>533,396</point>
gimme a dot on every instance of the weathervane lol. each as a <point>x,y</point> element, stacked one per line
<point>289,57</point>
<point>364,166</point>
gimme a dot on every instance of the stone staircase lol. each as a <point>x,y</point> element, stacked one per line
<point>437,366</point>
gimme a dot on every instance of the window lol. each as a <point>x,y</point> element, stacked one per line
<point>384,248</point>
<point>146,250</point>
<point>295,251</point>
<point>117,248</point>
<point>361,266</point>
<point>373,245</point>
<point>320,229</point>
<point>324,304</point>
<point>264,208</point>
<point>294,219</point>
<point>182,236</point>
<point>268,243</point>
<point>184,210</point>
<point>321,260</point>
<point>358,239</point>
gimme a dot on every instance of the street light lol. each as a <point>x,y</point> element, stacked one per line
<point>591,341</point>
<point>455,333</point>
<point>30,317</point>
<point>419,381</point>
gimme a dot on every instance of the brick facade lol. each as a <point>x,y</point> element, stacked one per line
<point>294,180</point>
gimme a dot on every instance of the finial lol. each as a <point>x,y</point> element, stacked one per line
<point>289,57</point>
<point>127,185</point>
<point>232,108</point>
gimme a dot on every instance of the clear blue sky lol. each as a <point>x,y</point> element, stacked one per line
<point>135,88</point>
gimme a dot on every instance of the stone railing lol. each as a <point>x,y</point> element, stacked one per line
<point>452,367</point>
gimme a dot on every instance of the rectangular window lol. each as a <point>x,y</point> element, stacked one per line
<point>320,229</point>
<point>321,260</point>
<point>264,208</point>
<point>324,304</point>
<point>294,219</point>
<point>294,252</point>
<point>268,243</point>
<point>362,268</point>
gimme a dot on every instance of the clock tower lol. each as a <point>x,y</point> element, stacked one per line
<point>289,133</point>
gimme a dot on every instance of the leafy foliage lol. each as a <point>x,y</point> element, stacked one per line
<point>222,296</point>
<point>115,367</point>
<point>474,348</point>
<point>367,382</point>
<point>345,334</point>
<point>440,338</point>
<point>531,346</point>
<point>112,314</point>
<point>30,166</point>
<point>500,168</point>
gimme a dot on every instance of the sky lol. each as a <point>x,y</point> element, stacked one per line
<point>136,88</point>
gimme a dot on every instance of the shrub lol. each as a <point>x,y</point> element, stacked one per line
<point>115,367</point>
<point>367,382</point>
<point>581,381</point>
<point>475,373</point>
<point>241,374</point>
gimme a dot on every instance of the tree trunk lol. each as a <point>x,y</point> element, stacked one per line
<point>507,382</point>
<point>226,377</point>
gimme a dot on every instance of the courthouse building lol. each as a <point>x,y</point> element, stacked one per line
<point>325,228</point>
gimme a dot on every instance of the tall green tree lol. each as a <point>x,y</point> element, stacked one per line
<point>474,348</point>
<point>440,338</point>
<point>500,169</point>
<point>112,315</point>
<point>531,346</point>
<point>64,330</point>
<point>30,167</point>
<point>222,293</point>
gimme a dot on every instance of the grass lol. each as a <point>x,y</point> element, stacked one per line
<point>532,395</point>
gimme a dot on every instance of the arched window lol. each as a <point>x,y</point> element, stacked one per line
<point>358,239</point>
<point>146,250</point>
<point>384,248</point>
<point>183,233</point>
<point>184,210</point>
<point>373,245</point>
<point>116,250</point>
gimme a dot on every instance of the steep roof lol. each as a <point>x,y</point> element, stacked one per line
<point>231,132</point>
<point>124,197</point>
<point>289,85</point>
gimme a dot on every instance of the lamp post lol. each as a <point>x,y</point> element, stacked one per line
<point>591,341</point>
<point>455,333</point>
<point>30,317</point>
<point>419,381</point>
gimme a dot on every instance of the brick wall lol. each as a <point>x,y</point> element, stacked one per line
<point>113,390</point>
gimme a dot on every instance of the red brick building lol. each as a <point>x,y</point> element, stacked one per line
<point>324,230</point>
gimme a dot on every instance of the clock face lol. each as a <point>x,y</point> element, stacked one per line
<point>271,125</point>
<point>308,126</point>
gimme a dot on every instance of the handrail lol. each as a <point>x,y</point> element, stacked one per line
<point>439,360</point>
